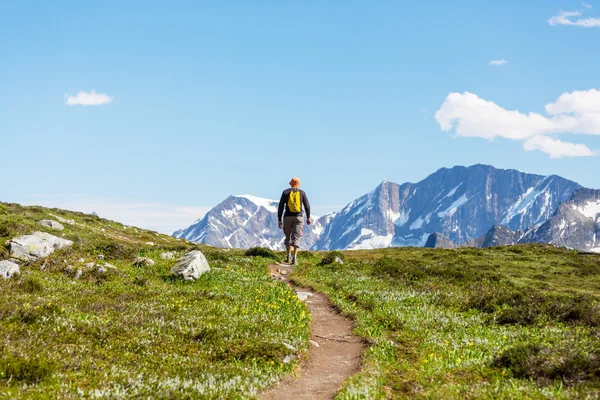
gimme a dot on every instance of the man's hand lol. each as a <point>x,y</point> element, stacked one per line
<point>280,225</point>
<point>308,221</point>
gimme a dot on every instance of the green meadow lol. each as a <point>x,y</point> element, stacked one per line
<point>508,322</point>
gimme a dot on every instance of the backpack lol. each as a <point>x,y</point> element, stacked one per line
<point>294,202</point>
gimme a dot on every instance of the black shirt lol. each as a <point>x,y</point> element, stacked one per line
<point>283,203</point>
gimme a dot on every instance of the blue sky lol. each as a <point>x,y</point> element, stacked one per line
<point>207,99</point>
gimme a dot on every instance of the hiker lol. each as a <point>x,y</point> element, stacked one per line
<point>293,200</point>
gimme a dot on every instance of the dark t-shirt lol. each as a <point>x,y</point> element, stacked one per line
<point>285,196</point>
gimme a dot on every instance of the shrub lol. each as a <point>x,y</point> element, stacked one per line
<point>260,252</point>
<point>24,370</point>
<point>329,258</point>
<point>549,363</point>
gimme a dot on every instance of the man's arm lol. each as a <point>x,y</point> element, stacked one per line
<point>306,207</point>
<point>281,206</point>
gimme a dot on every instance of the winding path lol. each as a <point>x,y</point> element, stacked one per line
<point>334,355</point>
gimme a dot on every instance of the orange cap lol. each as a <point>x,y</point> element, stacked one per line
<point>295,182</point>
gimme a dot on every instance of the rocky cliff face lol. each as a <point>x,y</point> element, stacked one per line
<point>575,224</point>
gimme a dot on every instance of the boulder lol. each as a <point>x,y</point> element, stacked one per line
<point>51,224</point>
<point>338,260</point>
<point>8,269</point>
<point>143,262</point>
<point>170,255</point>
<point>190,266</point>
<point>37,245</point>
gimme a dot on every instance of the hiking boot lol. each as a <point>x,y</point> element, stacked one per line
<point>288,259</point>
<point>294,261</point>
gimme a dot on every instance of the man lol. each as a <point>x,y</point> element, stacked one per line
<point>293,200</point>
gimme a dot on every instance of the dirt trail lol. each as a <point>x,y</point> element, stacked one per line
<point>334,357</point>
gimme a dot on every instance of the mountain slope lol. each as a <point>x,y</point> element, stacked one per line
<point>462,203</point>
<point>575,224</point>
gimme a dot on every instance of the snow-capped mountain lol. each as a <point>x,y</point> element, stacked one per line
<point>246,221</point>
<point>461,203</point>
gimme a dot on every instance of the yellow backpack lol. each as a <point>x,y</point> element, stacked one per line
<point>294,202</point>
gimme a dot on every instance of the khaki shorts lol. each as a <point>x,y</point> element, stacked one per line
<point>292,227</point>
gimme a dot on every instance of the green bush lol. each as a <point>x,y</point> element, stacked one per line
<point>29,371</point>
<point>549,363</point>
<point>329,258</point>
<point>260,252</point>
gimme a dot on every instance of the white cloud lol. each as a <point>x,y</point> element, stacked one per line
<point>566,18</point>
<point>577,112</point>
<point>161,217</point>
<point>498,62</point>
<point>557,148</point>
<point>88,99</point>
<point>586,5</point>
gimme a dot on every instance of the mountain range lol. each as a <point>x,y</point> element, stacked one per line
<point>477,206</point>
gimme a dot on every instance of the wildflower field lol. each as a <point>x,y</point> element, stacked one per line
<point>134,332</point>
<point>508,322</point>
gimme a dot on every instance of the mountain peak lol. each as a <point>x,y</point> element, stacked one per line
<point>269,204</point>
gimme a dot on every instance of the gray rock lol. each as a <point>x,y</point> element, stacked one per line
<point>338,260</point>
<point>51,224</point>
<point>107,265</point>
<point>90,265</point>
<point>143,262</point>
<point>438,241</point>
<point>101,270</point>
<point>190,266</point>
<point>78,274</point>
<point>8,269</point>
<point>170,255</point>
<point>35,246</point>
<point>100,256</point>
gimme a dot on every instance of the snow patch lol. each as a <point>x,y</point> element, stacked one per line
<point>451,193</point>
<point>402,218</point>
<point>453,207</point>
<point>270,205</point>
<point>369,240</point>
<point>417,224</point>
<point>590,209</point>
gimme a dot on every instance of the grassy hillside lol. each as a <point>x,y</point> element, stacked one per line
<point>133,331</point>
<point>510,322</point>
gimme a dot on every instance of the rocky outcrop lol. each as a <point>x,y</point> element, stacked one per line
<point>51,224</point>
<point>8,269</point>
<point>35,246</point>
<point>190,266</point>
<point>438,241</point>
<point>498,235</point>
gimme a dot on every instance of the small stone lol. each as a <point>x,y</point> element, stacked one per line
<point>8,269</point>
<point>288,359</point>
<point>170,255</point>
<point>283,272</point>
<point>101,270</point>
<point>100,256</point>
<point>81,260</point>
<point>288,346</point>
<point>315,344</point>
<point>78,274</point>
<point>90,265</point>
<point>338,260</point>
<point>107,265</point>
<point>143,262</point>
<point>51,224</point>
<point>150,243</point>
<point>302,296</point>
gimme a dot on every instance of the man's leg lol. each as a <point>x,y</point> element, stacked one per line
<point>288,231</point>
<point>289,253</point>
<point>296,236</point>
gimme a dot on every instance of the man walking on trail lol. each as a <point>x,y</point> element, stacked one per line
<point>293,200</point>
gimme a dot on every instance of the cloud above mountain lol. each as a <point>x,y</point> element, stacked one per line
<point>88,99</point>
<point>468,115</point>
